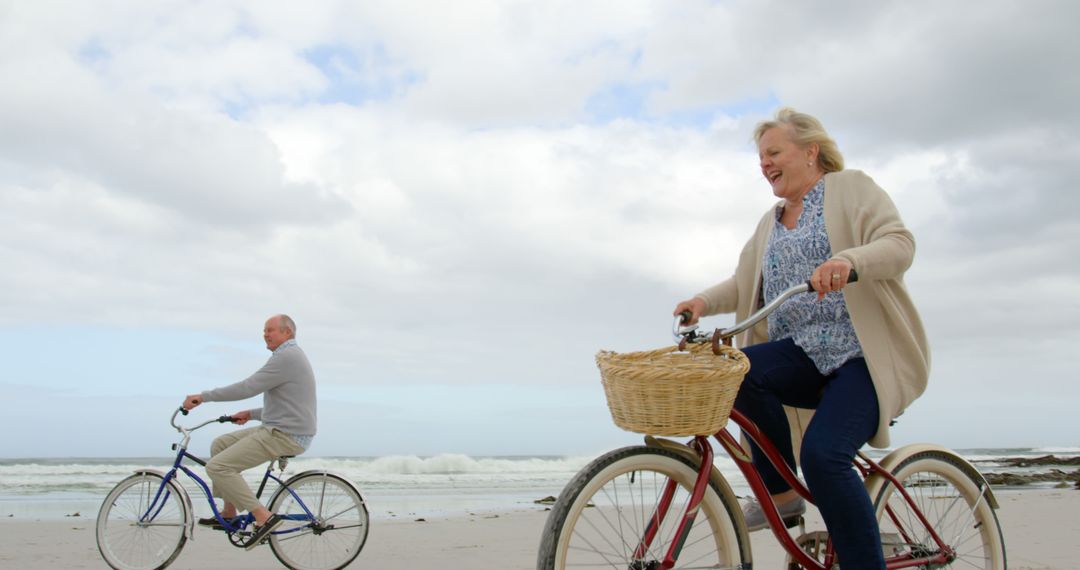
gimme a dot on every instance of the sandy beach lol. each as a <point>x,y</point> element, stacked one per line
<point>1041,529</point>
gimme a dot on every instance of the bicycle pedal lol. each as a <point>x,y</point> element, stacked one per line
<point>246,541</point>
<point>792,522</point>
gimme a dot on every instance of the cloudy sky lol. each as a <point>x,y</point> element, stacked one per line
<point>461,202</point>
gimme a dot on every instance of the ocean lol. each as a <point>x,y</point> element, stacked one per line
<point>394,486</point>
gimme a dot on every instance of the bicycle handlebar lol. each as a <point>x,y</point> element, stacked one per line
<point>181,429</point>
<point>689,334</point>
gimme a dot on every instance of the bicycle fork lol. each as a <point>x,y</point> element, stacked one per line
<point>157,503</point>
<point>701,445</point>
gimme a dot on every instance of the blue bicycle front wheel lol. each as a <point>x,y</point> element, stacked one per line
<point>141,523</point>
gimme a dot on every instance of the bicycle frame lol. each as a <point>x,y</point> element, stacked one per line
<point>724,437</point>
<point>235,525</point>
<point>757,485</point>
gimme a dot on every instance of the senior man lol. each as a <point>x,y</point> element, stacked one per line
<point>288,417</point>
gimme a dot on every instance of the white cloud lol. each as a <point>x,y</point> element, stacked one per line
<point>436,193</point>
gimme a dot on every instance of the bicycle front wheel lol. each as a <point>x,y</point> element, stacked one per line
<point>141,523</point>
<point>603,514</point>
<point>954,499</point>
<point>334,532</point>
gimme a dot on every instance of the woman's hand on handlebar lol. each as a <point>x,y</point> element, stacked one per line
<point>830,276</point>
<point>693,306</point>
<point>191,402</point>
<point>241,418</point>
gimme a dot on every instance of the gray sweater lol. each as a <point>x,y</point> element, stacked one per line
<point>288,388</point>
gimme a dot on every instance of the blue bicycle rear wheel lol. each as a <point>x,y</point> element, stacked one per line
<point>334,532</point>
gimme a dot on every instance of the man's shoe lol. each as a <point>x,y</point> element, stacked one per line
<point>211,522</point>
<point>263,532</point>
<point>789,512</point>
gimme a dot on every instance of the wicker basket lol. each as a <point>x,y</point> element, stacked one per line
<point>672,393</point>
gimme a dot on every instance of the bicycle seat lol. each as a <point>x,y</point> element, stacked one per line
<point>282,461</point>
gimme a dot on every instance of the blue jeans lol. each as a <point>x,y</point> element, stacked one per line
<point>846,417</point>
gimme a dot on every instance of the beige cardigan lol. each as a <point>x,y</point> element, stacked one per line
<point>865,229</point>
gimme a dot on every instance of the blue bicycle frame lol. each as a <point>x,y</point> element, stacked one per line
<point>239,523</point>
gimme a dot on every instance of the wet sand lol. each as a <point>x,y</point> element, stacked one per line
<point>1041,529</point>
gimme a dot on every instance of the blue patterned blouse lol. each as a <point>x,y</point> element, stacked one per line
<point>822,329</point>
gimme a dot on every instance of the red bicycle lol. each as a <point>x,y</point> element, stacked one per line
<point>664,504</point>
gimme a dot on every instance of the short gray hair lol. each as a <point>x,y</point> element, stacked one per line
<point>285,322</point>
<point>805,130</point>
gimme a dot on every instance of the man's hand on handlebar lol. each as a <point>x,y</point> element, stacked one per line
<point>693,306</point>
<point>192,401</point>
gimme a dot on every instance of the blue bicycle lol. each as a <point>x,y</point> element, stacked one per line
<point>147,518</point>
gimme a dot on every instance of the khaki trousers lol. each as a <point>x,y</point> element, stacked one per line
<point>234,452</point>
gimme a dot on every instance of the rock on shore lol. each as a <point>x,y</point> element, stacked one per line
<point>1053,475</point>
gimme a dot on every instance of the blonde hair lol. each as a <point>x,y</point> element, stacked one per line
<point>805,130</point>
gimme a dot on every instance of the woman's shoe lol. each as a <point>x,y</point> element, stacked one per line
<point>789,512</point>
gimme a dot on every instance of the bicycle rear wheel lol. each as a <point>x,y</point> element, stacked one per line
<point>136,533</point>
<point>334,537</point>
<point>953,498</point>
<point>602,515</point>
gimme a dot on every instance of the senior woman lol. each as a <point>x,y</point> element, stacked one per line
<point>855,354</point>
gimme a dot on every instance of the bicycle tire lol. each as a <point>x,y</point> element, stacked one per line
<point>126,542</point>
<point>337,535</point>
<point>954,498</point>
<point>600,515</point>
